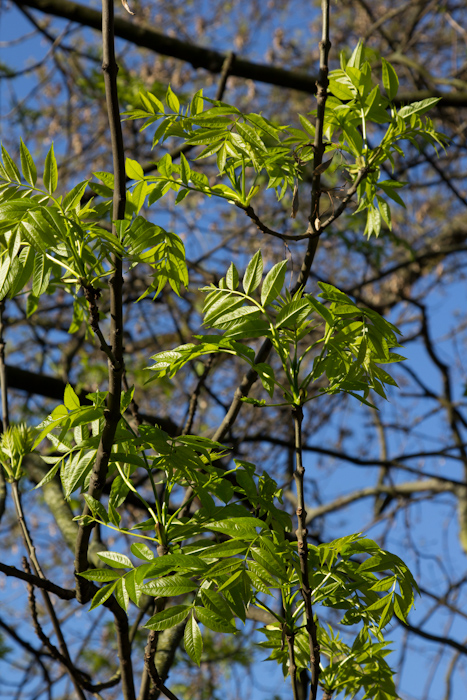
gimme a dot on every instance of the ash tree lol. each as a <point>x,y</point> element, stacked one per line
<point>182,535</point>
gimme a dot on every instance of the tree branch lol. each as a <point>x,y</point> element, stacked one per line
<point>149,653</point>
<point>45,584</point>
<point>210,60</point>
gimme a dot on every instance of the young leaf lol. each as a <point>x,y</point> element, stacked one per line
<point>73,198</point>
<point>115,560</point>
<point>293,313</point>
<point>100,575</point>
<point>232,277</point>
<point>170,586</point>
<point>75,470</point>
<point>214,622</point>
<point>273,283</point>
<point>168,618</point>
<point>27,165</point>
<point>193,640</point>
<point>41,275</point>
<point>253,273</point>
<point>142,551</point>
<point>70,398</point>
<point>185,170</point>
<point>172,100</point>
<point>390,79</point>
<point>96,508</point>
<point>50,171</point>
<point>133,170</point>
<point>103,594</point>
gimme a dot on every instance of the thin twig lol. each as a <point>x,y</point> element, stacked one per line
<point>250,212</point>
<point>195,396</point>
<point>64,658</point>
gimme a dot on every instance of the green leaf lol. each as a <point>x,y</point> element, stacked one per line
<point>215,602</point>
<point>239,528</point>
<point>70,398</point>
<point>221,158</point>
<point>115,559</point>
<point>75,470</point>
<point>100,575</point>
<point>232,277</point>
<point>418,107</point>
<point>293,313</point>
<point>388,190</point>
<point>172,100</point>
<point>133,170</point>
<point>385,211</point>
<point>142,551</point>
<point>73,198</point>
<point>266,374</point>
<point>168,618</point>
<point>193,640</point>
<point>390,79</point>
<point>27,165</point>
<point>250,135</point>
<point>307,125</point>
<point>339,88</point>
<point>50,171</point>
<point>103,594</point>
<point>235,315</point>
<point>10,166</point>
<point>185,170</point>
<point>214,622</point>
<point>41,275</point>
<point>169,586</point>
<point>387,614</point>
<point>121,594</point>
<point>96,508</point>
<point>273,283</point>
<point>253,273</point>
<point>225,549</point>
<point>356,58</point>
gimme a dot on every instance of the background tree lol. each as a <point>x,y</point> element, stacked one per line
<point>405,463</point>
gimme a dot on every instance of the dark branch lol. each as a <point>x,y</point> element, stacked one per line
<point>210,60</point>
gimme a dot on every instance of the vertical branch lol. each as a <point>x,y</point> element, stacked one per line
<point>115,348</point>
<point>301,532</point>
<point>314,226</point>
<point>5,416</point>
<point>115,357</point>
<point>297,412</point>
<point>3,380</point>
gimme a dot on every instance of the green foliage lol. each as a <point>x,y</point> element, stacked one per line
<point>249,143</point>
<point>15,443</point>
<point>347,343</point>
<point>238,550</point>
